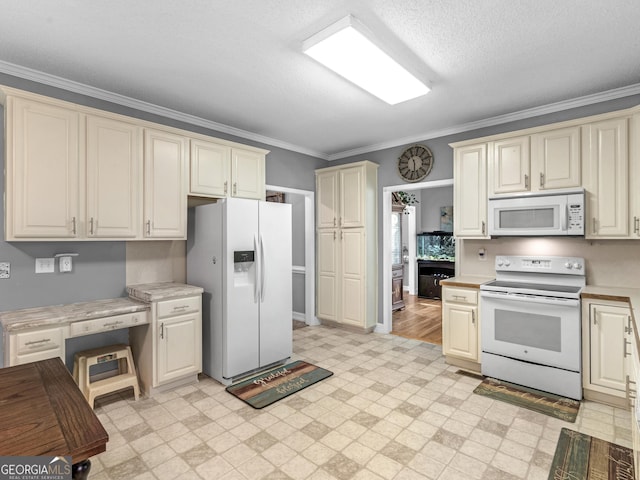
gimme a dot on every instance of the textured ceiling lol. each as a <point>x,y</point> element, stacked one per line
<point>239,63</point>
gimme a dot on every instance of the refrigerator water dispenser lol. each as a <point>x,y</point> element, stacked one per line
<point>243,267</point>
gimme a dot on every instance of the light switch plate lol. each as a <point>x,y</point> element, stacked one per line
<point>5,269</point>
<point>45,265</point>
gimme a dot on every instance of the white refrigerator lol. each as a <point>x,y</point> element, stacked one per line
<point>239,251</point>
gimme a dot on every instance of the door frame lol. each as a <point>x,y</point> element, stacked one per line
<point>386,325</point>
<point>309,268</point>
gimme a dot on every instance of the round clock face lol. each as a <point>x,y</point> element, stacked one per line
<point>415,163</point>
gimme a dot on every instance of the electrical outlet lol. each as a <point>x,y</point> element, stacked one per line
<point>482,254</point>
<point>66,264</point>
<point>45,265</point>
<point>5,269</point>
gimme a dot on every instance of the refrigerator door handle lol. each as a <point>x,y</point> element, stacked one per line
<point>256,289</point>
<point>262,287</point>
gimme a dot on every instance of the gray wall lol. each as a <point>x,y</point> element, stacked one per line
<point>99,270</point>
<point>443,154</point>
<point>430,202</point>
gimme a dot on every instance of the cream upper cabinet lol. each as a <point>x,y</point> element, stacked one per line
<point>114,180</point>
<point>327,199</point>
<point>220,170</point>
<point>42,171</point>
<point>347,271</point>
<point>165,192</point>
<point>509,165</point>
<point>247,174</point>
<point>352,197</point>
<point>470,191</point>
<point>634,176</point>
<point>607,337</point>
<point>605,173</point>
<point>210,168</point>
<point>555,159</point>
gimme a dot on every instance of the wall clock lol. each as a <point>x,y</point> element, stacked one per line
<point>415,163</point>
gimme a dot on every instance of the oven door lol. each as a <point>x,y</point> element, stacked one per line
<point>532,328</point>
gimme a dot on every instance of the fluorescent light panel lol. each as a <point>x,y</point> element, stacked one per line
<point>346,51</point>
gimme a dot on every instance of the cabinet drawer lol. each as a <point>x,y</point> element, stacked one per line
<point>42,340</point>
<point>105,324</point>
<point>460,295</point>
<point>170,308</point>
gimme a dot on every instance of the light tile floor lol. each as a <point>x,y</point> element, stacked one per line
<point>392,410</point>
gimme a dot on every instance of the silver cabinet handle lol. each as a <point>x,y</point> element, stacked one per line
<point>181,307</point>
<point>162,330</point>
<point>541,179</point>
<point>235,188</point>
<point>594,225</point>
<point>473,317</point>
<point>526,181</point>
<point>483,228</point>
<point>91,226</point>
<point>334,221</point>
<point>636,224</point>
<point>334,234</point>
<point>148,227</point>
<point>113,324</point>
<point>73,225</point>
<point>37,342</point>
<point>226,183</point>
<point>626,353</point>
<point>630,392</point>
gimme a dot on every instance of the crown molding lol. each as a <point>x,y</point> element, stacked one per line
<point>98,93</point>
<point>83,89</point>
<point>497,120</point>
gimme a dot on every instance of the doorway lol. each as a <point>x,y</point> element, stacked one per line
<point>433,308</point>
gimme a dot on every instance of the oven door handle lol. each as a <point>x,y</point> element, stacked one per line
<point>519,297</point>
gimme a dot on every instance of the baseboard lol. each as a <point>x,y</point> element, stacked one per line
<point>301,317</point>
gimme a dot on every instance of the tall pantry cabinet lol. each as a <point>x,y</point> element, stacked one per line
<point>347,244</point>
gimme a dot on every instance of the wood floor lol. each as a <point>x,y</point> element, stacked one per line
<point>421,319</point>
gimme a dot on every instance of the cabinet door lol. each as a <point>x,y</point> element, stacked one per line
<point>351,197</point>
<point>609,331</point>
<point>209,169</point>
<point>605,175</point>
<point>165,193</point>
<point>509,166</point>
<point>352,264</point>
<point>327,199</point>
<point>460,331</point>
<point>247,174</point>
<point>179,347</point>
<point>634,177</point>
<point>555,159</point>
<point>114,183</point>
<point>327,262</point>
<point>42,168</point>
<point>470,191</point>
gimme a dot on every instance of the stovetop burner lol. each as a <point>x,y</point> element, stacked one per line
<point>512,286</point>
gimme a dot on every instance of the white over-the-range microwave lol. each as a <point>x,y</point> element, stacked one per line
<point>538,214</point>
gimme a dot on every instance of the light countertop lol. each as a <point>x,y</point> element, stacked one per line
<point>469,281</point>
<point>55,315</point>
<point>152,292</point>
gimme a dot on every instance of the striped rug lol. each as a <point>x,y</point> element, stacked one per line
<point>582,457</point>
<point>541,402</point>
<point>273,385</point>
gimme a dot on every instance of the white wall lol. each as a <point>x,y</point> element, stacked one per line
<point>431,201</point>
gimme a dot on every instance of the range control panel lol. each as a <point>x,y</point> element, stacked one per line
<point>540,264</point>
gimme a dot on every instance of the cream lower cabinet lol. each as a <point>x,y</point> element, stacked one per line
<point>218,170</point>
<point>347,270</point>
<point>165,191</point>
<point>168,351</point>
<point>607,341</point>
<point>470,191</point>
<point>35,345</point>
<point>461,326</point>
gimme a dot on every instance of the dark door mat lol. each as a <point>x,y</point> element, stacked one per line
<point>583,457</point>
<point>541,402</point>
<point>278,383</point>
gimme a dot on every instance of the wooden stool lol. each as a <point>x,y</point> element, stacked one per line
<point>126,373</point>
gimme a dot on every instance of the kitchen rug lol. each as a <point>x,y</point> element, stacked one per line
<point>541,402</point>
<point>269,387</point>
<point>582,457</point>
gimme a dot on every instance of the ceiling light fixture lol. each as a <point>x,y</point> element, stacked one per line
<point>347,48</point>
